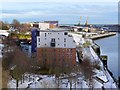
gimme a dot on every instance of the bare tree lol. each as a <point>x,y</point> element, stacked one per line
<point>25,27</point>
<point>16,24</point>
<point>1,23</point>
<point>8,54</point>
<point>87,70</point>
<point>4,25</point>
<point>22,63</point>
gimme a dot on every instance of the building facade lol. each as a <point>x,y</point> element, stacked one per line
<point>45,25</point>
<point>55,47</point>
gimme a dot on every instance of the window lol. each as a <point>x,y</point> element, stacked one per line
<point>64,45</point>
<point>65,33</point>
<point>58,44</point>
<point>45,34</point>
<point>64,39</point>
<point>45,38</point>
<point>38,39</point>
<point>58,33</point>
<point>58,38</point>
<point>53,40</point>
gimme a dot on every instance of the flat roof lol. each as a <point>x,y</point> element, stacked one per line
<point>54,30</point>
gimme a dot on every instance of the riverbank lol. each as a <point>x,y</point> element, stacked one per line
<point>109,47</point>
<point>99,36</point>
<point>107,69</point>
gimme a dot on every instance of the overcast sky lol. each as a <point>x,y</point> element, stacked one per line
<point>66,12</point>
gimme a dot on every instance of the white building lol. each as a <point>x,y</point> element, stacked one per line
<point>44,26</point>
<point>56,47</point>
<point>4,32</point>
<point>61,38</point>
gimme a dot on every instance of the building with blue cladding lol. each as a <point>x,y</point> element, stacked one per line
<point>35,33</point>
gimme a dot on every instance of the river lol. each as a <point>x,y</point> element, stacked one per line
<point>109,47</point>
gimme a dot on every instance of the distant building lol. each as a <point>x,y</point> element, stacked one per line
<point>52,24</point>
<point>4,32</point>
<point>80,28</point>
<point>54,47</point>
<point>85,29</point>
<point>45,25</point>
<point>77,28</point>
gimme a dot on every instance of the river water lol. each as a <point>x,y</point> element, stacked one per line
<point>109,47</point>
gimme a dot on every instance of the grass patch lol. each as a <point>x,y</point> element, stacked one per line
<point>86,44</point>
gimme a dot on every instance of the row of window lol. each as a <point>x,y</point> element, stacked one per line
<point>57,44</point>
<point>57,58</point>
<point>54,39</point>
<point>60,50</point>
<point>65,33</point>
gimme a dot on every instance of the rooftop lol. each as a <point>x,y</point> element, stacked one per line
<point>55,30</point>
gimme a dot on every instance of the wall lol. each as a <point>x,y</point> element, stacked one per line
<point>59,38</point>
<point>44,26</point>
<point>65,57</point>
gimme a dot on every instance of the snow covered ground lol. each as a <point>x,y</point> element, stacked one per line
<point>1,47</point>
<point>45,81</point>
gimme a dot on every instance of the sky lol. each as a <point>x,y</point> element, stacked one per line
<point>65,11</point>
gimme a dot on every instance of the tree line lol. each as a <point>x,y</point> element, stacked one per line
<point>15,63</point>
<point>21,27</point>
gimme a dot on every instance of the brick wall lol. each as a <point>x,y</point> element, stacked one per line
<point>56,56</point>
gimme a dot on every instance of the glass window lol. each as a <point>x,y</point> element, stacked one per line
<point>64,39</point>
<point>64,45</point>
<point>65,33</point>
<point>38,39</point>
<point>45,34</point>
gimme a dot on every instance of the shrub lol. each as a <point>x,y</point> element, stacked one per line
<point>86,44</point>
